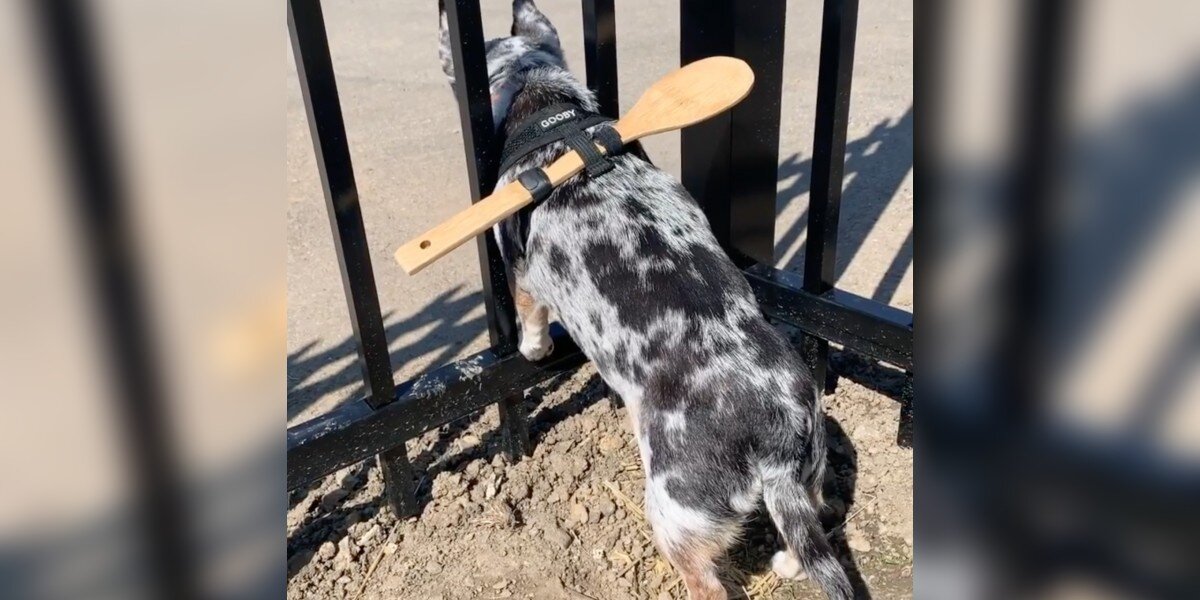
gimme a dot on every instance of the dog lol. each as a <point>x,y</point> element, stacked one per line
<point>726,414</point>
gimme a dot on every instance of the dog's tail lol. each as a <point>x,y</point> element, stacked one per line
<point>796,514</point>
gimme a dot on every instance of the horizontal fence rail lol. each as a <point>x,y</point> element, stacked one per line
<point>355,431</point>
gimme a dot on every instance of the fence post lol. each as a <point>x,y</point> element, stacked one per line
<point>745,140</point>
<point>70,54</point>
<point>483,160</point>
<point>600,53</point>
<point>838,29</point>
<point>310,45</point>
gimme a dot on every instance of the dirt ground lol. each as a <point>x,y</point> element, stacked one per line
<point>567,522</point>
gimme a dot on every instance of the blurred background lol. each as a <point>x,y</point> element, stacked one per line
<point>148,159</point>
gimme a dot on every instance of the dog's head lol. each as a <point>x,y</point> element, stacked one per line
<point>533,44</point>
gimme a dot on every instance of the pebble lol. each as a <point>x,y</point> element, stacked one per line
<point>611,443</point>
<point>579,513</point>
<point>606,507</point>
<point>587,424</point>
<point>518,491</point>
<point>369,535</point>
<point>333,499</point>
<point>348,547</point>
<point>858,542</point>
<point>327,551</point>
<point>555,535</point>
<point>433,568</point>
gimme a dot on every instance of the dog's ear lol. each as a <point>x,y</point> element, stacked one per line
<point>531,24</point>
<point>444,51</point>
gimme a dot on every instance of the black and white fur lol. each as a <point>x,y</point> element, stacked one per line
<point>724,411</point>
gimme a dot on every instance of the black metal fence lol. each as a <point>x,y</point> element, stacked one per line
<point>730,164</point>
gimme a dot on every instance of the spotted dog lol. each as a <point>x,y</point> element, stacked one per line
<point>726,415</point>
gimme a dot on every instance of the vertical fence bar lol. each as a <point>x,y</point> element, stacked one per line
<point>483,160</point>
<point>1043,62</point>
<point>757,39</point>
<point>306,26</point>
<point>103,220</point>
<point>600,53</point>
<point>838,29</point>
<point>746,140</point>
<point>706,29</point>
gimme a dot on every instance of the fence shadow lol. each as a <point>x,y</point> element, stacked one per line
<point>330,525</point>
<point>452,326</point>
<point>876,166</point>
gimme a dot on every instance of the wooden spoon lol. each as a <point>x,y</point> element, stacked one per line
<point>700,90</point>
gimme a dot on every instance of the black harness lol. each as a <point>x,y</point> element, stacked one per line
<point>560,123</point>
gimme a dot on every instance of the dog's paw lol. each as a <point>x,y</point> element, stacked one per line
<point>786,566</point>
<point>535,348</point>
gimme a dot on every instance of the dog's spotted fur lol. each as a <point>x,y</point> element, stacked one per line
<point>724,411</point>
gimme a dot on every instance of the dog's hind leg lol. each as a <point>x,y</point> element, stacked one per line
<point>691,541</point>
<point>535,326</point>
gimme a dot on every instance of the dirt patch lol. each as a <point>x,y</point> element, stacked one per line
<point>567,522</point>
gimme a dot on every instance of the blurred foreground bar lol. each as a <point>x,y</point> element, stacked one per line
<point>1051,431</point>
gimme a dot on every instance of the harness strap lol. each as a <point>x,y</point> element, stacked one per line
<point>595,162</point>
<point>608,138</point>
<point>537,183</point>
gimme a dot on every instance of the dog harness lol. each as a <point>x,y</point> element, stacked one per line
<point>565,123</point>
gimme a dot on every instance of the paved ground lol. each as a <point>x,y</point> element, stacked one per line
<point>405,141</point>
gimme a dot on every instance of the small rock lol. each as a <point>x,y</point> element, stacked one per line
<point>333,499</point>
<point>555,535</point>
<point>348,547</point>
<point>587,424</point>
<point>347,552</point>
<point>579,466</point>
<point>390,548</point>
<point>858,542</point>
<point>518,491</point>
<point>579,513</point>
<point>433,568</point>
<point>356,530</point>
<point>369,535</point>
<point>611,443</point>
<point>327,551</point>
<point>606,507</point>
